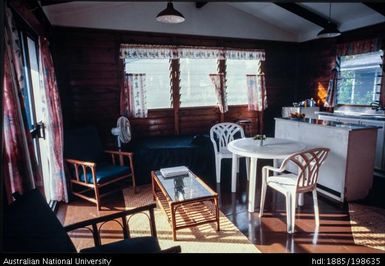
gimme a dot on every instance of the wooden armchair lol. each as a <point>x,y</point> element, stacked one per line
<point>30,226</point>
<point>89,168</point>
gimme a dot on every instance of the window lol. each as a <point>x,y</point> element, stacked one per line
<point>157,80</point>
<point>236,83</point>
<point>196,86</point>
<point>34,104</point>
<point>360,79</point>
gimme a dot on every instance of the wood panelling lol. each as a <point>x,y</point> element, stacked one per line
<point>88,79</point>
<point>198,120</point>
<point>90,72</point>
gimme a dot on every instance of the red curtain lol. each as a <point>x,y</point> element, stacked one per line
<point>257,97</point>
<point>125,98</point>
<point>358,47</point>
<point>19,163</point>
<point>218,81</point>
<point>54,126</point>
<point>332,87</point>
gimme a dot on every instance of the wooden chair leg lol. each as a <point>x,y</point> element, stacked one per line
<point>134,183</point>
<point>97,196</point>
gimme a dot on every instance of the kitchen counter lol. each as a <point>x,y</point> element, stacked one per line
<point>379,117</point>
<point>347,173</point>
<point>333,124</point>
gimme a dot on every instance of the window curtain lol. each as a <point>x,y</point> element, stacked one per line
<point>54,126</point>
<point>257,97</point>
<point>125,98</point>
<point>332,87</point>
<point>133,93</point>
<point>358,47</point>
<point>133,96</point>
<point>218,81</point>
<point>135,51</point>
<point>19,163</point>
<point>344,49</point>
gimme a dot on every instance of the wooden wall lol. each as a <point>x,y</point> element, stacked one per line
<point>90,72</point>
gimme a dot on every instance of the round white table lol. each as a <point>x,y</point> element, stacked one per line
<point>273,148</point>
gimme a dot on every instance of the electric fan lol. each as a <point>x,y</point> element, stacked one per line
<point>122,131</point>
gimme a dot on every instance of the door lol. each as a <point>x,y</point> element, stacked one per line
<point>33,104</point>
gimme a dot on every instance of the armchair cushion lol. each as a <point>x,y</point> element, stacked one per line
<point>105,173</point>
<point>83,144</point>
<point>132,245</point>
<point>31,226</point>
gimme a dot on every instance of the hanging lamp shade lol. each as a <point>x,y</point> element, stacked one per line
<point>330,30</point>
<point>170,15</point>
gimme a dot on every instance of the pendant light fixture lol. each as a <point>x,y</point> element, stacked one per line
<point>170,15</point>
<point>330,30</point>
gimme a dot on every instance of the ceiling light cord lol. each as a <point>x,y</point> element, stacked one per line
<point>330,30</point>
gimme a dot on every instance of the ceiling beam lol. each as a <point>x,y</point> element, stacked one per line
<point>52,2</point>
<point>378,7</point>
<point>305,14</point>
<point>200,4</point>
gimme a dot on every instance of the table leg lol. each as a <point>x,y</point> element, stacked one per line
<point>251,228</point>
<point>173,221</point>
<point>247,161</point>
<point>153,187</point>
<point>217,212</point>
<point>234,173</point>
<point>252,184</point>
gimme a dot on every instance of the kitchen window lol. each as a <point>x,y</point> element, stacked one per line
<point>359,79</point>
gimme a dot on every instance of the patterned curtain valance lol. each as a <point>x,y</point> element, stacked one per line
<point>147,52</point>
<point>199,53</point>
<point>245,55</point>
<point>133,51</point>
<point>358,47</point>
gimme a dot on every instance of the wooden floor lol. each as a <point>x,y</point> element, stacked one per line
<point>268,234</point>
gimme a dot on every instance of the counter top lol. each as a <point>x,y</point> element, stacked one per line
<point>356,116</point>
<point>333,124</point>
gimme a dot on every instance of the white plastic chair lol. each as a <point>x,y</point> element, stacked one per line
<point>289,184</point>
<point>221,134</point>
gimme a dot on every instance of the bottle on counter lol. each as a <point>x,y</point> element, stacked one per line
<point>312,103</point>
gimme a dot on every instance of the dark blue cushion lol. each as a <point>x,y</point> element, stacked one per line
<point>105,173</point>
<point>133,245</point>
<point>83,144</point>
<point>31,226</point>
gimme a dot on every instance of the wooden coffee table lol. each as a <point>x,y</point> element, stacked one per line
<point>187,200</point>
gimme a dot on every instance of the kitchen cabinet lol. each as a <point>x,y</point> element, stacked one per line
<point>380,145</point>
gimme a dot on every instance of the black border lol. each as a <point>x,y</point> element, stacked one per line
<point>262,259</point>
<point>2,47</point>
